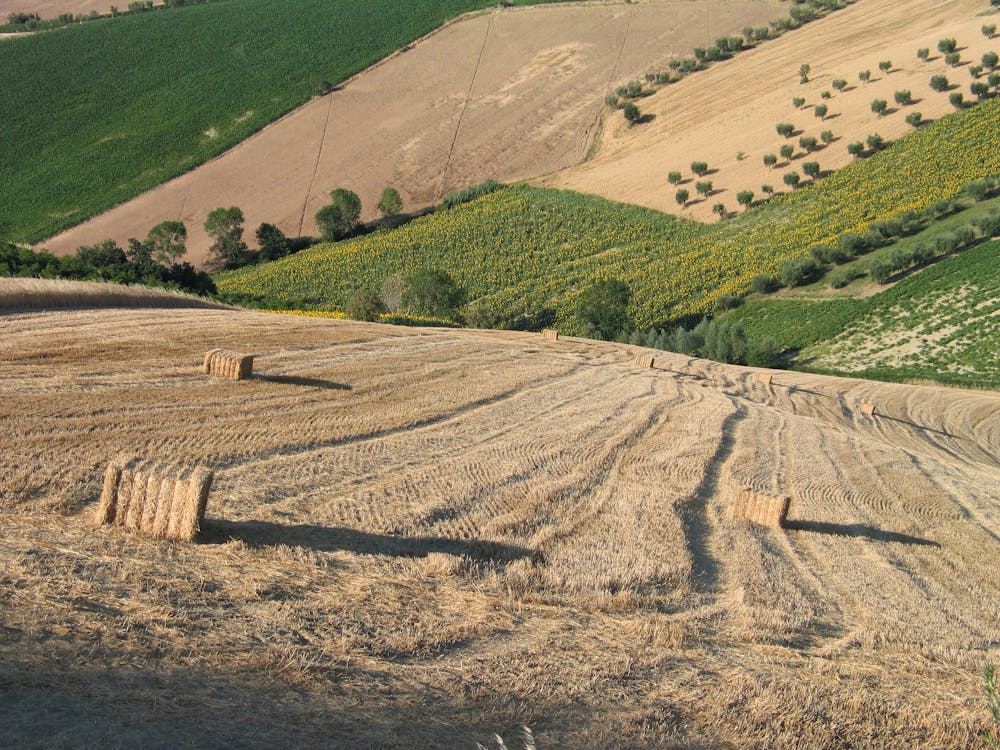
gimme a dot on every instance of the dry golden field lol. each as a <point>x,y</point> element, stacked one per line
<point>419,537</point>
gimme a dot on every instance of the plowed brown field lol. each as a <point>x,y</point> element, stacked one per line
<point>508,94</point>
<point>419,537</point>
<point>732,108</point>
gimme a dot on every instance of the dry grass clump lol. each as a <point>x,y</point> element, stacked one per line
<point>223,363</point>
<point>52,294</point>
<point>761,509</point>
<point>161,500</point>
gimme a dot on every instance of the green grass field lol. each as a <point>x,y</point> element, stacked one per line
<point>942,324</point>
<point>95,113</point>
<point>522,248</point>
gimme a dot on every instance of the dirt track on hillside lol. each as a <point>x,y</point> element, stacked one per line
<point>733,107</point>
<point>509,94</point>
<point>418,537</point>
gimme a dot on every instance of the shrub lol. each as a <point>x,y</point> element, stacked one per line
<point>785,128</point>
<point>939,83</point>
<point>923,53</point>
<point>700,168</point>
<point>767,189</point>
<point>821,110</point>
<point>745,198</point>
<point>903,97</point>
<point>864,76</point>
<point>364,305</point>
<point>612,100</point>
<point>840,279</point>
<point>389,203</point>
<point>804,73</point>
<point>913,119</point>
<point>720,209</point>
<point>885,66</point>
<point>953,59</point>
<point>856,149</point>
<point>728,302</point>
<point>798,101</point>
<point>853,244</point>
<point>791,179</point>
<point>825,94</point>
<point>808,142</point>
<point>830,254</point>
<point>989,30</point>
<point>764,352</point>
<point>770,160</point>
<point>471,193</point>
<point>811,168</point>
<point>632,113</point>
<point>799,271</point>
<point>839,83</point>
<point>956,99</point>
<point>765,283</point>
<point>703,187</point>
<point>993,79</point>
<point>975,70</point>
<point>674,178</point>
<point>786,151</point>
<point>875,142</point>
<point>980,90</point>
<point>879,270</point>
<point>826,136</point>
<point>432,292</point>
<point>681,196</point>
<point>947,45</point>
<point>879,106</point>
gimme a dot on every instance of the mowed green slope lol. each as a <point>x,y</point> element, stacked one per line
<point>523,249</point>
<point>94,114</point>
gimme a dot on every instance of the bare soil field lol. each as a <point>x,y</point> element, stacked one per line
<point>52,8</point>
<point>508,94</point>
<point>732,108</point>
<point>419,537</point>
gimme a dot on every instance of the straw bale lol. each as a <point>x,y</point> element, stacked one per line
<point>644,360</point>
<point>765,378</point>
<point>550,334</point>
<point>868,409</point>
<point>223,363</point>
<point>762,509</point>
<point>159,500</point>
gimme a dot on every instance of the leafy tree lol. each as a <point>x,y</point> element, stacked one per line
<point>681,196</point>
<point>720,209</point>
<point>674,178</point>
<point>913,119</point>
<point>785,128</point>
<point>770,160</point>
<point>956,99</point>
<point>745,198</point>
<point>980,90</point>
<point>330,222</point>
<point>786,150</point>
<point>885,66</point>
<point>791,179</point>
<point>856,149</point>
<point>389,203</point>
<point>808,142</point>
<point>923,53</point>
<point>799,271</point>
<point>903,97</point>
<point>879,106</point>
<point>826,136</point>
<point>104,256</point>
<point>864,76</point>
<point>804,73</point>
<point>430,291</point>
<point>166,242</point>
<point>839,83</point>
<point>767,189</point>
<point>272,242</point>
<point>953,59</point>
<point>975,70</point>
<point>703,187</point>
<point>990,60</point>
<point>225,227</point>
<point>811,168</point>
<point>350,208</point>
<point>765,283</point>
<point>364,305</point>
<point>798,101</point>
<point>939,83</point>
<point>632,113</point>
<point>993,79</point>
<point>825,94</point>
<point>989,30</point>
<point>875,142</point>
<point>947,45</point>
<point>700,168</point>
<point>820,111</point>
<point>602,309</point>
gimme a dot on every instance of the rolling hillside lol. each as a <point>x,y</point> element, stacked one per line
<point>417,538</point>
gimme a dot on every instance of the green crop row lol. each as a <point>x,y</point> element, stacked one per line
<point>94,114</point>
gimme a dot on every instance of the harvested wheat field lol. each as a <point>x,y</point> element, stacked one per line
<point>507,94</point>
<point>417,537</point>
<point>52,8</point>
<point>732,108</point>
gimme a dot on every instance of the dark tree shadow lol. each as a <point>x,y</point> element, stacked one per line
<point>643,119</point>
<point>831,116</point>
<point>857,530</point>
<point>307,382</point>
<point>796,133</point>
<point>332,539</point>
